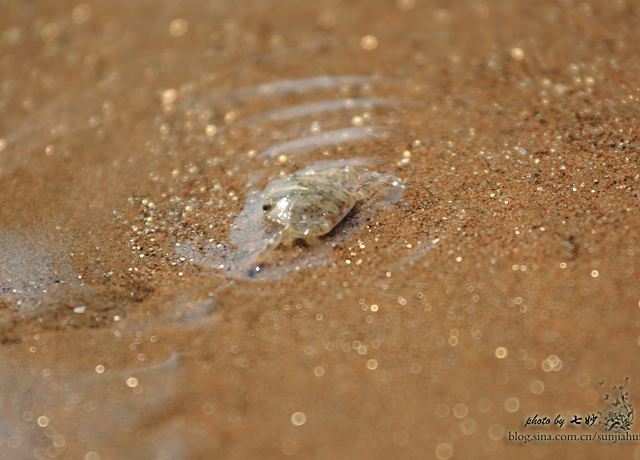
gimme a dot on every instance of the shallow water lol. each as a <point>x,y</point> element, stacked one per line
<point>135,142</point>
<point>257,249</point>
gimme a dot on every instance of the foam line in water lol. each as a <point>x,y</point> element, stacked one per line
<point>316,108</point>
<point>281,88</point>
<point>338,136</point>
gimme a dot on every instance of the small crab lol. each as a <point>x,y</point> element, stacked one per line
<point>311,202</point>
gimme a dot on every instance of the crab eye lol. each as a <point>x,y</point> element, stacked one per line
<point>267,207</point>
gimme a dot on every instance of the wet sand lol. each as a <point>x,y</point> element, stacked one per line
<point>505,283</point>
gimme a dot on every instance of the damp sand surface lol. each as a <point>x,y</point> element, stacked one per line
<point>136,136</point>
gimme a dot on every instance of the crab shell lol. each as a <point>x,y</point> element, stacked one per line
<point>308,206</point>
